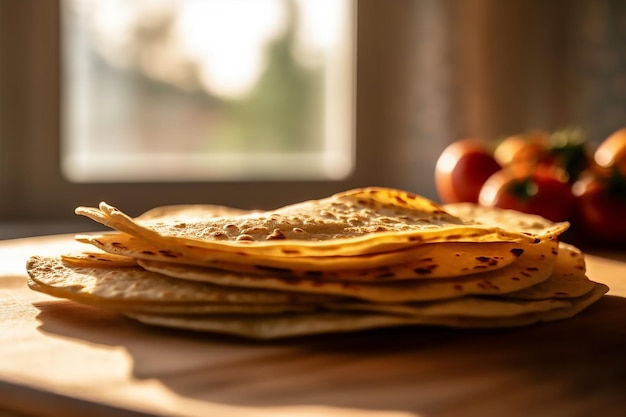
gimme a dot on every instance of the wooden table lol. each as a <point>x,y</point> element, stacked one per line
<point>60,358</point>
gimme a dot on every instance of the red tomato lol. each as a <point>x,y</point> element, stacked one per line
<point>611,153</point>
<point>543,192</point>
<point>565,149</point>
<point>522,148</point>
<point>462,169</point>
<point>601,206</point>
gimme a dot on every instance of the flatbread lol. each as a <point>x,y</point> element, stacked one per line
<point>190,211</point>
<point>98,259</point>
<point>503,218</point>
<point>282,326</point>
<point>533,266</point>
<point>187,308</point>
<point>434,260</point>
<point>568,279</point>
<point>470,306</point>
<point>128,287</point>
<point>356,222</point>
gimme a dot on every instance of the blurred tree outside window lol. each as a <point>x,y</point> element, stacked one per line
<point>207,90</point>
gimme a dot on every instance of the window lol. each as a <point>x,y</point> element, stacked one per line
<point>207,90</point>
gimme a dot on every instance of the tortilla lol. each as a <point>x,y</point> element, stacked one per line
<point>356,222</point>
<point>282,326</point>
<point>434,260</point>
<point>128,287</point>
<point>470,306</point>
<point>503,218</point>
<point>190,211</point>
<point>97,259</point>
<point>187,308</point>
<point>533,266</point>
<point>568,279</point>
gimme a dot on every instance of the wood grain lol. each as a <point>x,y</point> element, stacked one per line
<point>60,357</point>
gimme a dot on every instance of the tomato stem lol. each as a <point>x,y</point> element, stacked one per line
<point>616,184</point>
<point>568,147</point>
<point>523,189</point>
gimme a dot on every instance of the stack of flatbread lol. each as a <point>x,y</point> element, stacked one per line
<point>364,258</point>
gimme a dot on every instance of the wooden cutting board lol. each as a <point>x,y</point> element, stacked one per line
<point>61,358</point>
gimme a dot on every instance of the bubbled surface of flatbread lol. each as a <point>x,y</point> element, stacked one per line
<point>503,218</point>
<point>351,223</point>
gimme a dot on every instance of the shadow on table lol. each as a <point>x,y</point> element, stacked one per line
<point>547,369</point>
